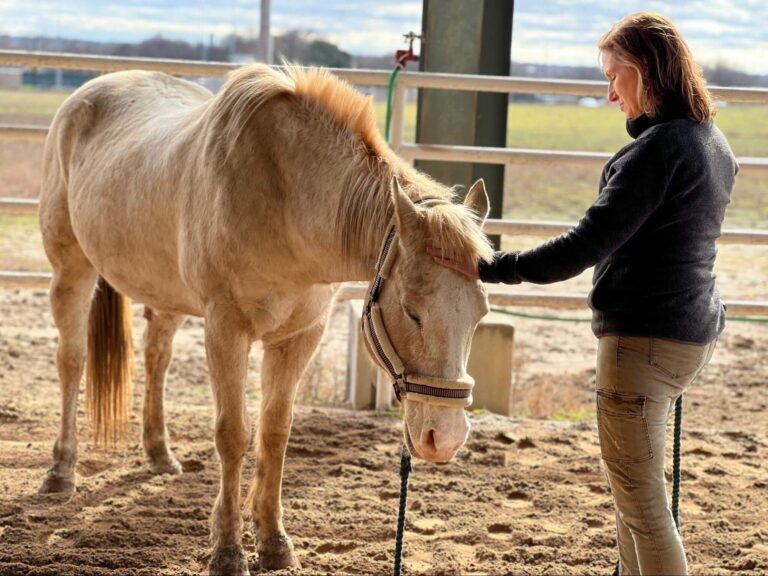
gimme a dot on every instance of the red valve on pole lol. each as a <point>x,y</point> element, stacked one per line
<point>402,57</point>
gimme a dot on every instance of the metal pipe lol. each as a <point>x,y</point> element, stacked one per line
<point>528,156</point>
<point>18,207</point>
<point>397,128</point>
<point>28,207</point>
<point>23,132</point>
<point>509,84</point>
<point>510,156</point>
<point>175,67</point>
<point>496,295</point>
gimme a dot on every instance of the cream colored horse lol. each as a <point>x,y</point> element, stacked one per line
<point>246,209</point>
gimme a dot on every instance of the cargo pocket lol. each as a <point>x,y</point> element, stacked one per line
<point>622,428</point>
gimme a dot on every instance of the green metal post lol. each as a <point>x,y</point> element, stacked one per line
<point>463,37</point>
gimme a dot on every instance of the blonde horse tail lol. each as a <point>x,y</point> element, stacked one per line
<point>109,368</point>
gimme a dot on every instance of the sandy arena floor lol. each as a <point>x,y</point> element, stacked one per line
<point>525,496</point>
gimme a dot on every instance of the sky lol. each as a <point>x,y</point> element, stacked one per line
<point>733,32</point>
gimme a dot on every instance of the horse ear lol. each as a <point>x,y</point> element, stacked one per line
<point>477,200</point>
<point>405,210</point>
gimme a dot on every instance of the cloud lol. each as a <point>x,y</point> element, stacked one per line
<point>116,25</point>
<point>566,31</point>
<point>545,31</point>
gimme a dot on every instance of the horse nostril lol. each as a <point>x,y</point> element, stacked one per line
<point>429,442</point>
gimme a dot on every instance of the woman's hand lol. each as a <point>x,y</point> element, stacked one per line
<point>466,267</point>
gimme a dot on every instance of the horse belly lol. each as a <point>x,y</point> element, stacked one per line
<point>164,291</point>
<point>135,250</point>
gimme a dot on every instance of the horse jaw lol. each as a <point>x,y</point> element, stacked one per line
<point>434,433</point>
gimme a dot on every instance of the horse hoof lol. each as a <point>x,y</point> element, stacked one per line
<point>277,553</point>
<point>55,483</point>
<point>228,561</point>
<point>165,465</point>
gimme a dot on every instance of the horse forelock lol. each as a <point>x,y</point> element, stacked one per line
<point>456,230</point>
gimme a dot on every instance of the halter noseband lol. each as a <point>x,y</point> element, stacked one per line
<point>427,389</point>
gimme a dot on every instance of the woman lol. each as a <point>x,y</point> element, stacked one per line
<point>651,237</point>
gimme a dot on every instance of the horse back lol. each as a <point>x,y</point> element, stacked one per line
<point>115,157</point>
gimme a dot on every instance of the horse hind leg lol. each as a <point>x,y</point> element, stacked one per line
<point>70,294</point>
<point>158,351</point>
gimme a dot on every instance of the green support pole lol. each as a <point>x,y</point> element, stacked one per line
<point>460,37</point>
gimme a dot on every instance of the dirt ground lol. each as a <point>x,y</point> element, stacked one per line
<point>526,495</point>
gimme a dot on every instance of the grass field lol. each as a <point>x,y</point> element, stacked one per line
<point>563,127</point>
<point>30,103</point>
<point>572,127</point>
<point>531,192</point>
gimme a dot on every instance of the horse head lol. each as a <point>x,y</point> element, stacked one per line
<point>420,317</point>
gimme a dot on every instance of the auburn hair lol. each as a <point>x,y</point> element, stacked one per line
<point>670,81</point>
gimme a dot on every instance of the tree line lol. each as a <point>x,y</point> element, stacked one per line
<point>295,46</point>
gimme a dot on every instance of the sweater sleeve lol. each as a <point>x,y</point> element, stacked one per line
<point>636,183</point>
<point>503,268</point>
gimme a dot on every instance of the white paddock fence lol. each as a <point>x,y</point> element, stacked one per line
<point>20,207</point>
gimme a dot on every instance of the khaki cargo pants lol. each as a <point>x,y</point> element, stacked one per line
<point>638,381</point>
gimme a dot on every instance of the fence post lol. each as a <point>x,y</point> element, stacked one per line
<point>397,129</point>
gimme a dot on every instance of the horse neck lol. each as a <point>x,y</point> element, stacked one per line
<point>344,209</point>
<point>364,215</point>
<point>330,192</point>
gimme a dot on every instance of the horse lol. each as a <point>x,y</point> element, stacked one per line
<point>248,209</point>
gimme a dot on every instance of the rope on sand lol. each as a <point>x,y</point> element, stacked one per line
<point>405,472</point>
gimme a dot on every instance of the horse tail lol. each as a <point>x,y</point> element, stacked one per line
<point>109,368</point>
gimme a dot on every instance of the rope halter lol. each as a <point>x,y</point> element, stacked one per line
<point>428,389</point>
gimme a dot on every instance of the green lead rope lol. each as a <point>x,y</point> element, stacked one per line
<point>387,122</point>
<point>405,472</point>
<point>405,456</point>
<point>676,473</point>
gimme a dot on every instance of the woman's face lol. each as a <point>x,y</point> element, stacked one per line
<point>622,85</point>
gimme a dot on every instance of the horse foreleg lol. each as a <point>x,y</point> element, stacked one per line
<point>227,344</point>
<point>282,367</point>
<point>70,293</point>
<point>158,351</point>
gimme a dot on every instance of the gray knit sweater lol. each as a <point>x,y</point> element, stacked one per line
<point>650,235</point>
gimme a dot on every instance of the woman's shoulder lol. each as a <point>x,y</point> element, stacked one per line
<point>682,134</point>
<point>664,143</point>
<point>682,128</point>
<point>685,142</point>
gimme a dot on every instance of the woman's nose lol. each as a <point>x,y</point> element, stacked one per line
<point>612,96</point>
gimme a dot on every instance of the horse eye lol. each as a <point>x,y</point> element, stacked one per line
<point>410,313</point>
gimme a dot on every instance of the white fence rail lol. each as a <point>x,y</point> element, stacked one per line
<point>26,207</point>
<point>496,295</point>
<point>484,154</point>
<point>508,84</point>
<point>12,206</point>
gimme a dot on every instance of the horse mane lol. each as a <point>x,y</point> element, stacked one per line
<point>365,208</point>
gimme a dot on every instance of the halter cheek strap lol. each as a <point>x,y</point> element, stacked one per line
<point>428,389</point>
